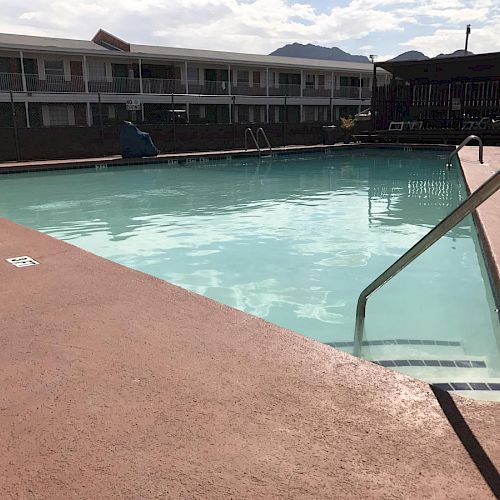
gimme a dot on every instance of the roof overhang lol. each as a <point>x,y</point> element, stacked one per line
<point>475,67</point>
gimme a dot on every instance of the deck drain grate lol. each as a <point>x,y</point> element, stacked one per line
<point>23,261</point>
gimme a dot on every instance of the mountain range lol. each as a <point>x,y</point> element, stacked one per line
<point>311,51</point>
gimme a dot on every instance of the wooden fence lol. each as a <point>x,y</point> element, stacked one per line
<point>437,105</point>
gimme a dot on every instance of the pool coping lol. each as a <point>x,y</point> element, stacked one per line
<point>14,167</point>
<point>487,216</point>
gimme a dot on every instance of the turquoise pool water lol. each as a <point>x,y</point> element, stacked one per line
<point>292,240</point>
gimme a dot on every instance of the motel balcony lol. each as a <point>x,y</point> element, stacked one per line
<point>126,85</point>
<point>351,92</point>
<point>208,87</point>
<point>285,90</point>
<point>245,89</point>
<point>11,81</point>
<point>320,91</point>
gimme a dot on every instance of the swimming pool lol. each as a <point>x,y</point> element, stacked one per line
<point>294,240</point>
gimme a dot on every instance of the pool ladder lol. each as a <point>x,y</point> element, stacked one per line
<point>464,143</point>
<point>481,194</point>
<point>255,139</point>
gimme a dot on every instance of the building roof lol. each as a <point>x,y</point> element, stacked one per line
<point>39,43</point>
<point>10,40</point>
<point>471,67</point>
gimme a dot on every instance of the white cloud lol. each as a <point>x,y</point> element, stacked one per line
<point>260,26</point>
<point>448,40</point>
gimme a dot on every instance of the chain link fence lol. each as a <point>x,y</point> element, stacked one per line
<point>40,130</point>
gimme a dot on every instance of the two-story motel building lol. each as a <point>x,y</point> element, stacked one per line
<point>65,82</point>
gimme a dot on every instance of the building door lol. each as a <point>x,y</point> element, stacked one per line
<point>119,70</point>
<point>210,75</point>
<point>76,68</point>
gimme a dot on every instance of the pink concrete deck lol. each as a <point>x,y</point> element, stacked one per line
<point>118,385</point>
<point>488,214</point>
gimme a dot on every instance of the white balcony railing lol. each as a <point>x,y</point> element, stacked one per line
<point>321,91</point>
<point>162,86</point>
<point>208,88</point>
<point>54,83</point>
<point>124,85</point>
<point>346,92</point>
<point>11,81</point>
<point>245,89</point>
<point>285,90</point>
<point>116,85</point>
<point>366,93</point>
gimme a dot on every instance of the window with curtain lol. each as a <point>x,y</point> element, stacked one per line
<point>54,68</point>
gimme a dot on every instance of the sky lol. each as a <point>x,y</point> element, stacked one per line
<point>382,27</point>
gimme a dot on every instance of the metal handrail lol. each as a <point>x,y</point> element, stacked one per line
<point>465,208</point>
<point>464,143</point>
<point>249,130</point>
<point>263,132</point>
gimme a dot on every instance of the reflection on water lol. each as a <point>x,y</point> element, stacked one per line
<point>293,241</point>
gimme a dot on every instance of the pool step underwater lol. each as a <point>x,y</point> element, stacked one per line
<point>444,364</point>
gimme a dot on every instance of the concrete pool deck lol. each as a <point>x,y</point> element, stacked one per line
<point>120,385</point>
<point>488,214</point>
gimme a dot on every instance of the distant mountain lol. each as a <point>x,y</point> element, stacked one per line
<point>414,55</point>
<point>411,55</point>
<point>311,51</point>
<point>457,53</point>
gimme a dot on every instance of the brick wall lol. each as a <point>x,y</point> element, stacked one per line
<point>85,142</point>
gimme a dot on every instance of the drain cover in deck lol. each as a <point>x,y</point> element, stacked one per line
<point>23,261</point>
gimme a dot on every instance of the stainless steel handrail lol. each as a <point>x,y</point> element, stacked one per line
<point>464,143</point>
<point>263,132</point>
<point>249,130</point>
<point>465,208</point>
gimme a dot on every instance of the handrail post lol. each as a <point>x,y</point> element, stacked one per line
<point>262,131</point>
<point>464,143</point>
<point>465,208</point>
<point>248,130</point>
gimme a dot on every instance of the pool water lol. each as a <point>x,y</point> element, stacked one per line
<point>294,240</point>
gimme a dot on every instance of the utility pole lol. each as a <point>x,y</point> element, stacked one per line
<point>467,33</point>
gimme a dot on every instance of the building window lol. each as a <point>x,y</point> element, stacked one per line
<point>256,77</point>
<point>321,81</point>
<point>58,116</point>
<point>54,68</point>
<point>193,74</point>
<point>97,70</point>
<point>243,77</point>
<point>243,113</point>
<point>309,80</point>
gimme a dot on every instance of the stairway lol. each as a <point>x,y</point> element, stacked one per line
<point>442,363</point>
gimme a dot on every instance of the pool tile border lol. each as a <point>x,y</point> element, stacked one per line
<point>13,167</point>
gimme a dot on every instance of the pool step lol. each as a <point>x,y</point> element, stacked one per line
<point>406,342</point>
<point>431,363</point>
<point>392,349</point>
<point>488,390</point>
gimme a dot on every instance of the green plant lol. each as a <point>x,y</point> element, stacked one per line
<point>347,124</point>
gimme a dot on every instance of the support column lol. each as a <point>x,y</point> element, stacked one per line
<point>267,82</point>
<point>229,79</point>
<point>301,88</point>
<point>186,76</point>
<point>333,86</point>
<point>360,86</point>
<point>140,84</point>
<point>267,113</point>
<point>301,113</point>
<point>89,115</point>
<point>85,75</point>
<point>23,75</point>
<point>27,112</point>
